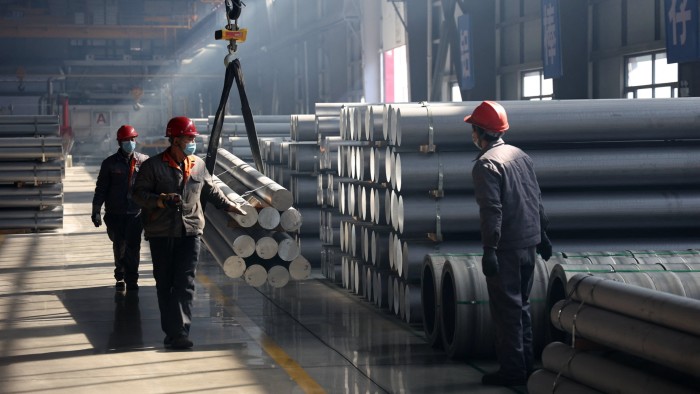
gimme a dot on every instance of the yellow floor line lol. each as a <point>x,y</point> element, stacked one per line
<point>293,369</point>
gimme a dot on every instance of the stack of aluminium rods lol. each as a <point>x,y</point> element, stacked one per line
<point>294,162</point>
<point>259,246</point>
<point>327,134</point>
<point>455,298</point>
<point>31,183</point>
<point>647,339</point>
<point>362,249</point>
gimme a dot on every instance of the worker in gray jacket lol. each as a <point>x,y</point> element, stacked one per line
<point>513,229</point>
<point>169,188</point>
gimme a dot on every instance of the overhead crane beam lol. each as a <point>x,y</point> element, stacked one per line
<point>15,30</point>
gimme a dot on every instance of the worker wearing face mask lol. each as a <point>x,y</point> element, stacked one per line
<point>169,189</point>
<point>114,189</point>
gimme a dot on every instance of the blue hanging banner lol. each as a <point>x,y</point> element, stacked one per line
<point>551,39</point>
<point>681,30</point>
<point>465,52</point>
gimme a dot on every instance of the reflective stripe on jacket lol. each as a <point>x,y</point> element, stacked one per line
<point>509,198</point>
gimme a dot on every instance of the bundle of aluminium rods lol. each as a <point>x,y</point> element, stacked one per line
<point>259,246</point>
<point>455,299</point>
<point>290,157</point>
<point>31,183</point>
<point>278,140</point>
<point>646,338</point>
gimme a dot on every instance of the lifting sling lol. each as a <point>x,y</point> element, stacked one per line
<point>233,71</point>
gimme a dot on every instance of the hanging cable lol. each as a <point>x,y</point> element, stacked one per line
<point>233,34</point>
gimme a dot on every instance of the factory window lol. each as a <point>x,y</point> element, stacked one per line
<point>650,76</point>
<point>395,75</point>
<point>535,87</point>
<point>455,92</point>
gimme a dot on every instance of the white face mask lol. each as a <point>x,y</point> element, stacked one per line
<point>475,140</point>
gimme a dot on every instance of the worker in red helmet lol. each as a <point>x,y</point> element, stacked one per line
<point>169,189</point>
<point>114,189</point>
<point>513,225</point>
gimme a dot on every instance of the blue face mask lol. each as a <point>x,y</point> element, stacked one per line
<point>190,148</point>
<point>128,146</point>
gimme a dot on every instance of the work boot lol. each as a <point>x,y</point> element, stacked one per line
<point>181,342</point>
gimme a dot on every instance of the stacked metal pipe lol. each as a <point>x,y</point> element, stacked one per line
<point>594,155</point>
<point>292,161</point>
<point>333,262</point>
<point>663,272</point>
<point>625,320</point>
<point>303,163</point>
<point>260,246</point>
<point>31,183</point>
<point>361,251</point>
<point>597,371</point>
<point>455,300</point>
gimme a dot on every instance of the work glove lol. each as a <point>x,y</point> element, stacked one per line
<point>544,248</point>
<point>489,262</point>
<point>96,218</point>
<point>235,208</point>
<point>170,200</point>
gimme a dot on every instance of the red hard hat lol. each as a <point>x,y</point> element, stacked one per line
<point>125,132</point>
<point>179,126</point>
<point>490,116</point>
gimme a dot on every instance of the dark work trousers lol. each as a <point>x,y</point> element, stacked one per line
<point>174,265</point>
<point>509,294</point>
<point>124,231</point>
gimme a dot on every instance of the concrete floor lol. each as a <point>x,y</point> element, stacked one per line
<point>64,329</point>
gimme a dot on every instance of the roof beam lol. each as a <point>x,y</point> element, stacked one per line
<point>14,30</point>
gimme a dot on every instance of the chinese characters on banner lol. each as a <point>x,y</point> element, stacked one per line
<point>465,52</point>
<point>681,30</point>
<point>551,39</point>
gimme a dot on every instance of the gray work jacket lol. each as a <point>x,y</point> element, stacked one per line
<point>509,198</point>
<point>160,174</point>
